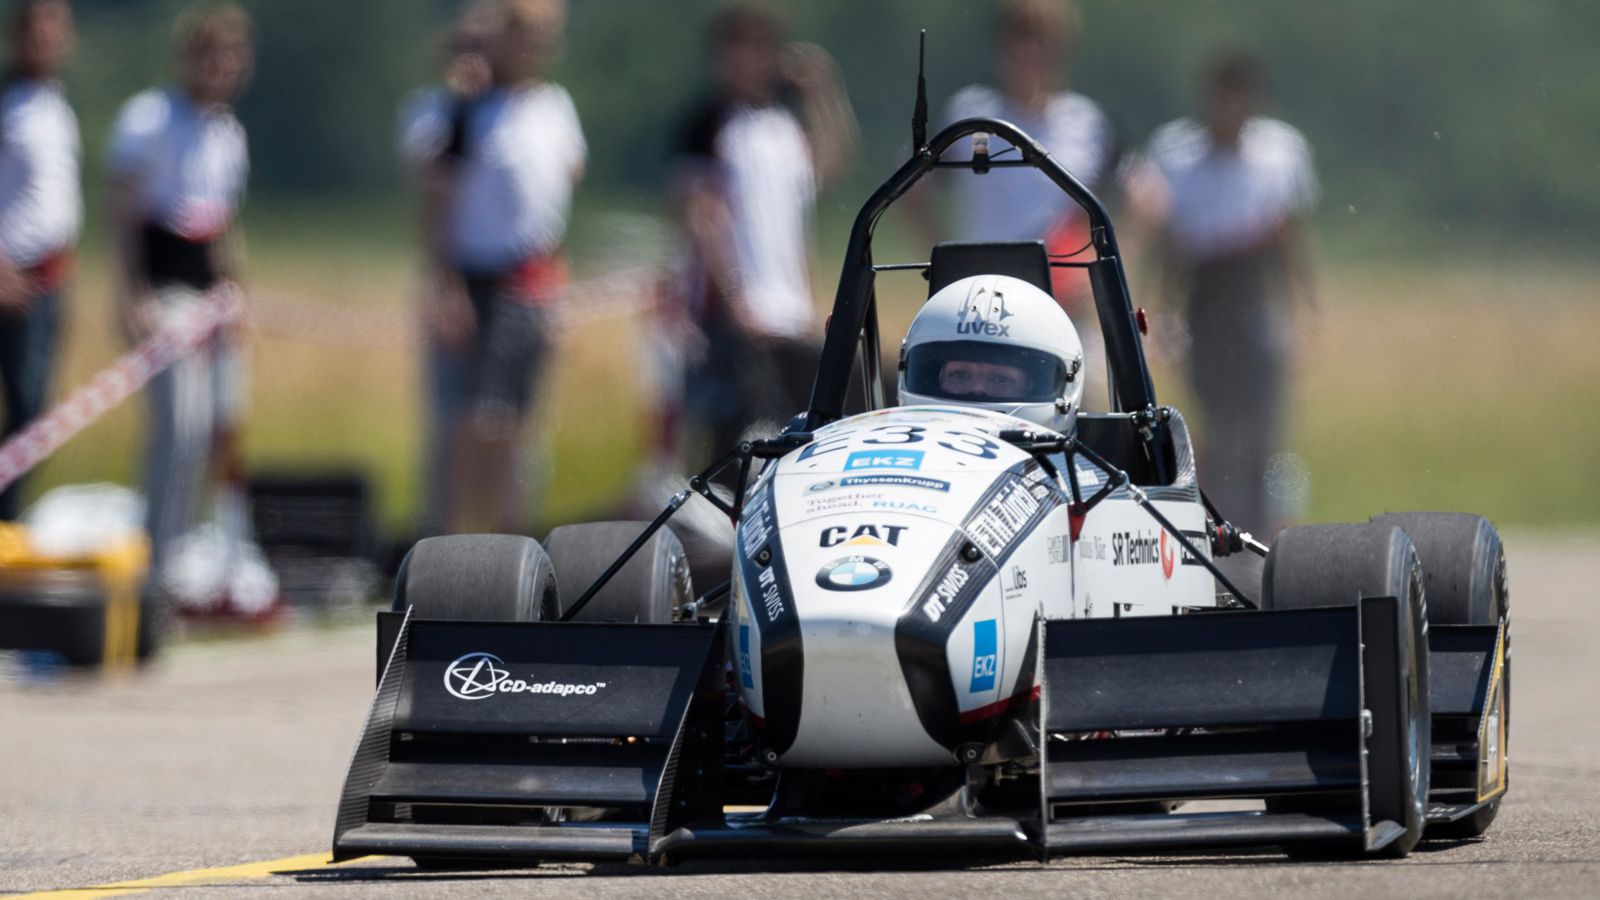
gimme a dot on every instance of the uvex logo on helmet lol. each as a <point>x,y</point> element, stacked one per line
<point>985,313</point>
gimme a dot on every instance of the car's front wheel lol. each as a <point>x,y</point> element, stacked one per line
<point>1335,565</point>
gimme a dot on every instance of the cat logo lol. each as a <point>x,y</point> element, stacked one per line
<point>862,536</point>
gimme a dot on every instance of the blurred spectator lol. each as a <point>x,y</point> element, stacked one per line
<point>41,209</point>
<point>1033,42</point>
<point>746,180</point>
<point>501,166</point>
<point>1239,187</point>
<point>431,138</point>
<point>177,163</point>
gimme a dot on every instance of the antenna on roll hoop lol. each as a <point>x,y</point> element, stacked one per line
<point>919,113</point>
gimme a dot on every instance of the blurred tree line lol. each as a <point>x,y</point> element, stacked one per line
<point>1475,115</point>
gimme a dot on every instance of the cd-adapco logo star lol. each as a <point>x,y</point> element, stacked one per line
<point>475,676</point>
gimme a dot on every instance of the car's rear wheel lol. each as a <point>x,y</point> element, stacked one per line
<point>1464,568</point>
<point>485,577</point>
<point>1334,565</point>
<point>649,589</point>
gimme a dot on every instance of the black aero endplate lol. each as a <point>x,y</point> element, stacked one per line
<point>1469,697</point>
<point>537,740</point>
<point>1244,705</point>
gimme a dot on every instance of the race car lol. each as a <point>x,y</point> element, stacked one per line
<point>981,621</point>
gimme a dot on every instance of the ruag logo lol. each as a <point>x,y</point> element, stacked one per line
<point>906,506</point>
<point>985,313</point>
<point>985,651</point>
<point>476,676</point>
<point>853,573</point>
<point>862,536</point>
<point>870,460</point>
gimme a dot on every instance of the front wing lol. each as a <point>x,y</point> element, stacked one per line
<point>485,742</point>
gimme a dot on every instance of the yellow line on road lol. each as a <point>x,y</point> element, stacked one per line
<point>191,878</point>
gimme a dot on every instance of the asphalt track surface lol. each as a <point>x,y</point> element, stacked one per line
<point>216,774</point>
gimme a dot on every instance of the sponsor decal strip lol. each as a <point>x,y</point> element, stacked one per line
<point>1009,511</point>
<point>914,481</point>
<point>772,601</point>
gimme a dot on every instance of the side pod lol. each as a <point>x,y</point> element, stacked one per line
<point>1141,712</point>
<point>491,741</point>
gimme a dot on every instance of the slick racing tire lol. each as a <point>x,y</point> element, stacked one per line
<point>1464,569</point>
<point>483,577</point>
<point>479,577</point>
<point>1333,565</point>
<point>649,589</point>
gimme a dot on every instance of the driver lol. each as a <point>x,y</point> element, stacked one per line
<point>998,343</point>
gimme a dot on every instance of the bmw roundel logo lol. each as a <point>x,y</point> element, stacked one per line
<point>853,573</point>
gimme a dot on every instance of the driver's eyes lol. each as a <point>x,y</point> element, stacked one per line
<point>958,375</point>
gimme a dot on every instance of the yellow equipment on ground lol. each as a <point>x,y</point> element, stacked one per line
<point>85,607</point>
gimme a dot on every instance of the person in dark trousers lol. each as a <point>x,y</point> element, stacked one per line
<point>41,210</point>
<point>502,166</point>
<point>431,140</point>
<point>747,171</point>
<point>1239,186</point>
<point>178,162</point>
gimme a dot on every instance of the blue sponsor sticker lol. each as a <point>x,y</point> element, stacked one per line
<point>872,460</point>
<point>916,481</point>
<point>985,651</point>
<point>745,677</point>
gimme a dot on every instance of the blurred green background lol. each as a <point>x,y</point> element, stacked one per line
<point>1452,366</point>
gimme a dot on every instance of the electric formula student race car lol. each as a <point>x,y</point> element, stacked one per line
<point>990,627</point>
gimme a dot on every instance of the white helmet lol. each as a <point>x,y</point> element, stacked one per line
<point>995,342</point>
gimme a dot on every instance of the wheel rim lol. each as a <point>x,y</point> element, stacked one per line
<point>1414,756</point>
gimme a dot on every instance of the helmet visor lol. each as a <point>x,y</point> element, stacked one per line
<point>981,371</point>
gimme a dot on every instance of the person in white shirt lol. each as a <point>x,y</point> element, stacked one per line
<point>41,209</point>
<point>501,167</point>
<point>430,137</point>
<point>1238,188</point>
<point>178,162</point>
<point>745,182</point>
<point>1034,40</point>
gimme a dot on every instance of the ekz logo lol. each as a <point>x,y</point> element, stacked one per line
<point>883,459</point>
<point>985,652</point>
<point>985,313</point>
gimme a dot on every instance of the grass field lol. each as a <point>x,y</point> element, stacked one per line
<point>1421,385</point>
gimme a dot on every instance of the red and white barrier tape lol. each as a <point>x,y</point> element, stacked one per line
<point>114,384</point>
<point>623,293</point>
